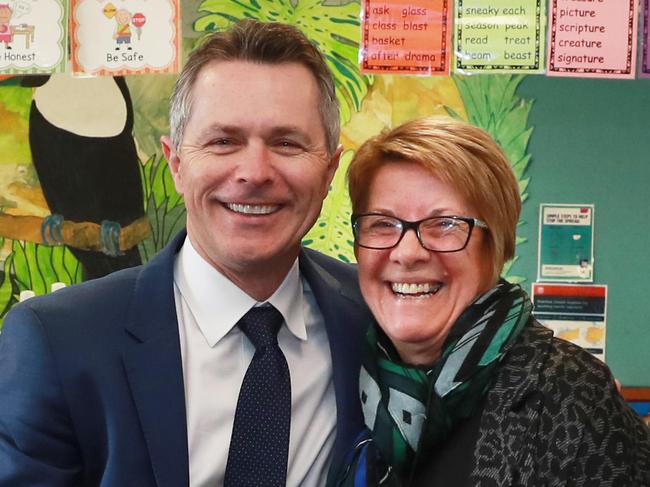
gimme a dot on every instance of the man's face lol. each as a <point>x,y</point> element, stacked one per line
<point>253,166</point>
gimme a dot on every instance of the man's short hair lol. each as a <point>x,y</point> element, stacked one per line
<point>257,42</point>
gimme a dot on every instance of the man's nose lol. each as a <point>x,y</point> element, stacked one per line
<point>409,250</point>
<point>256,165</point>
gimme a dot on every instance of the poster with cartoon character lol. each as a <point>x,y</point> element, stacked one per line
<point>33,36</point>
<point>115,37</point>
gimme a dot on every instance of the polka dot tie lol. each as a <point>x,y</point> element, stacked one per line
<point>259,447</point>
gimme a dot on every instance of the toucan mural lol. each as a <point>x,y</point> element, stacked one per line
<point>88,171</point>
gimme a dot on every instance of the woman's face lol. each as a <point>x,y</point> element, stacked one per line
<point>418,322</point>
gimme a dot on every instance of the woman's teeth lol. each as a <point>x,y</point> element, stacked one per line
<point>414,289</point>
<point>251,209</point>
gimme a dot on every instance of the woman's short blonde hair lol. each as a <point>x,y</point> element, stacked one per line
<point>459,154</point>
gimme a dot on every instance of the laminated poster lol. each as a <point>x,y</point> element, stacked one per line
<point>645,58</point>
<point>33,36</point>
<point>500,36</point>
<point>119,37</point>
<point>566,240</point>
<point>575,312</point>
<point>592,38</point>
<point>406,36</point>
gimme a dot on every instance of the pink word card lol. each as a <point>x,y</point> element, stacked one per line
<point>592,38</point>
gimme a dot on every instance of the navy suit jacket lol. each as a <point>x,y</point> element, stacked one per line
<point>91,382</point>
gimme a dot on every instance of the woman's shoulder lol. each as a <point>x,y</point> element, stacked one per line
<point>554,361</point>
<point>581,409</point>
<point>565,376</point>
<point>567,362</point>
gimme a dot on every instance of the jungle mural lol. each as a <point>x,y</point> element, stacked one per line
<point>84,189</point>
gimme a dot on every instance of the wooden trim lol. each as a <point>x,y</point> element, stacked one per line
<point>636,393</point>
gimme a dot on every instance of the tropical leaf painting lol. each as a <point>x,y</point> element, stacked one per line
<point>163,205</point>
<point>332,233</point>
<point>7,296</point>
<point>151,112</point>
<point>393,100</point>
<point>333,28</point>
<point>14,118</point>
<point>35,267</point>
<point>492,103</point>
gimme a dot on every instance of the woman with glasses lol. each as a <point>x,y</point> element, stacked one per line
<point>460,386</point>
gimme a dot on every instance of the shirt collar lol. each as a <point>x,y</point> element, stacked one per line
<point>217,304</point>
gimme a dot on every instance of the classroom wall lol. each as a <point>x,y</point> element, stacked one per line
<point>591,144</point>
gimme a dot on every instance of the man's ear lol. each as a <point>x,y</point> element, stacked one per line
<point>333,164</point>
<point>173,160</point>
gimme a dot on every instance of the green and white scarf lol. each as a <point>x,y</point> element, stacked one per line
<point>410,410</point>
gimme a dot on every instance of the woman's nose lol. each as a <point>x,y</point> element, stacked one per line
<point>409,250</point>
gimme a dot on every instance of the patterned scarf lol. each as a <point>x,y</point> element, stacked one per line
<point>411,410</point>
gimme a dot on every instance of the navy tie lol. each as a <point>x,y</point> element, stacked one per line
<point>259,446</point>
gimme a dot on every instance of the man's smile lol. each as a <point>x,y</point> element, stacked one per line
<point>249,209</point>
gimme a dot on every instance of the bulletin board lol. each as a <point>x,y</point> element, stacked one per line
<point>591,145</point>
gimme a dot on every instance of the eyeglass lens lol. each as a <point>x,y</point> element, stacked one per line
<point>443,234</point>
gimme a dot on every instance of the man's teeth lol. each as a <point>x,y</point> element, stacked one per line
<point>406,288</point>
<point>252,209</point>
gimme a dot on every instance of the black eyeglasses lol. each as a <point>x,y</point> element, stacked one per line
<point>438,233</point>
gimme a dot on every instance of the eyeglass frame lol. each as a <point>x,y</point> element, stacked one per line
<point>415,226</point>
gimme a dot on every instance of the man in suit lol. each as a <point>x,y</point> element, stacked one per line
<point>133,379</point>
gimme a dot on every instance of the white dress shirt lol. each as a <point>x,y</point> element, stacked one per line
<point>216,354</point>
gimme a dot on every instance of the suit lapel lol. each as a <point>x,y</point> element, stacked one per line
<point>154,369</point>
<point>346,318</point>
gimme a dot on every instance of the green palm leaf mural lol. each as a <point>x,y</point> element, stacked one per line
<point>334,29</point>
<point>6,289</point>
<point>332,233</point>
<point>35,267</point>
<point>492,103</point>
<point>164,206</point>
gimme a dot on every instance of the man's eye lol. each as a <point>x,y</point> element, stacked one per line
<point>287,143</point>
<point>288,146</point>
<point>224,145</point>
